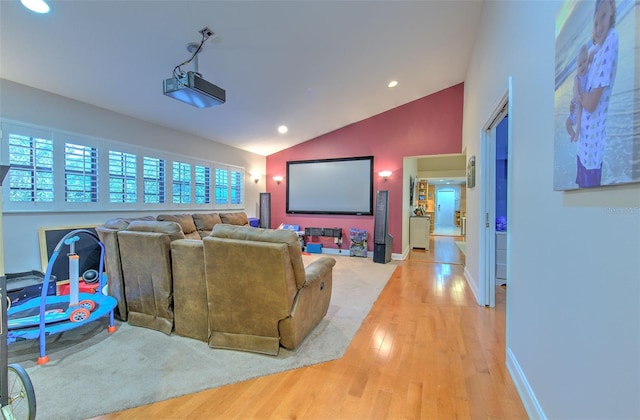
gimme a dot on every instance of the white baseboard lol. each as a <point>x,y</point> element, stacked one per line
<point>528,397</point>
<point>405,253</point>
<point>473,285</point>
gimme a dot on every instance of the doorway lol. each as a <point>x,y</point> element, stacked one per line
<point>490,258</point>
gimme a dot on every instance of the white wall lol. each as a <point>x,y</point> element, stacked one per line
<point>24,104</point>
<point>573,300</point>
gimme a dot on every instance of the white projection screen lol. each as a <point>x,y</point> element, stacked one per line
<point>331,186</point>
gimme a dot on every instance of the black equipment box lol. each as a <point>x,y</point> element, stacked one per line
<point>24,286</point>
<point>330,232</point>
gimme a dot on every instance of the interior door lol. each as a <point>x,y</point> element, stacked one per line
<point>445,203</point>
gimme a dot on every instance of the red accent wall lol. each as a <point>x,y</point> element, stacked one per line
<point>427,126</point>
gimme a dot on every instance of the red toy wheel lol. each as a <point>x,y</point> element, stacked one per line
<point>88,303</point>
<point>79,314</point>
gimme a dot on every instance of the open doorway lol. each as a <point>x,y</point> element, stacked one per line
<point>423,175</point>
<point>494,238</point>
<point>501,219</point>
<point>447,208</point>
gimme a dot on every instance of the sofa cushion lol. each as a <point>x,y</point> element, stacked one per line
<point>170,228</point>
<point>185,221</point>
<point>205,222</point>
<point>123,222</point>
<point>239,218</point>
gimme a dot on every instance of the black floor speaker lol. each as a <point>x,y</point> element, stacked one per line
<point>382,241</point>
<point>265,210</point>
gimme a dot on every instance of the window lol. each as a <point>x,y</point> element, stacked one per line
<point>122,177</point>
<point>236,186</point>
<point>222,186</point>
<point>181,183</point>
<point>229,187</point>
<point>203,184</point>
<point>31,173</point>
<point>154,180</point>
<point>80,174</point>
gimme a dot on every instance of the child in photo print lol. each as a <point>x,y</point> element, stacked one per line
<point>594,98</point>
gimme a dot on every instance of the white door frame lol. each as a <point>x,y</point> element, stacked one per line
<point>487,237</point>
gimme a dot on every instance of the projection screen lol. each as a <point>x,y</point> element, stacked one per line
<point>330,186</point>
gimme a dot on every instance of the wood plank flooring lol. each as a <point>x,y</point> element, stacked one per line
<point>425,351</point>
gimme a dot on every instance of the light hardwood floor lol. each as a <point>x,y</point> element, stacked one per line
<point>425,351</point>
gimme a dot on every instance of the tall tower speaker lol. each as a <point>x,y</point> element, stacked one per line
<point>265,210</point>
<point>382,241</point>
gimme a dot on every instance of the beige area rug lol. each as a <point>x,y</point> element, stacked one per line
<point>92,372</point>
<point>462,246</point>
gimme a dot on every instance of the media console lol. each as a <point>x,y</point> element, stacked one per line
<point>328,232</point>
<point>335,233</point>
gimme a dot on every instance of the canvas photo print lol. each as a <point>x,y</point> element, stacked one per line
<point>597,99</point>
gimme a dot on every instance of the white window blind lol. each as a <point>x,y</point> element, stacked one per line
<point>222,186</point>
<point>181,183</point>
<point>122,177</point>
<point>80,174</point>
<point>203,184</point>
<point>31,173</point>
<point>229,187</point>
<point>237,180</point>
<point>154,180</point>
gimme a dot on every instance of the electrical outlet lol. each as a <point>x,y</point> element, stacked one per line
<point>206,33</point>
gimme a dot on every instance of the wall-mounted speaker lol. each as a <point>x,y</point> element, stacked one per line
<point>265,210</point>
<point>382,241</point>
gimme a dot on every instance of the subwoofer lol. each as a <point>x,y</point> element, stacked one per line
<point>265,210</point>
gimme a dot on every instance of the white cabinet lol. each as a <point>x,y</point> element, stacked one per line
<point>501,257</point>
<point>419,231</point>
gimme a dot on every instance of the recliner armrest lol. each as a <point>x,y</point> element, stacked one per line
<point>318,269</point>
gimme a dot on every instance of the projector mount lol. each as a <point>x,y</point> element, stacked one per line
<point>194,48</point>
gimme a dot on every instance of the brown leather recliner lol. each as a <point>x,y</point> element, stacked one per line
<point>112,265</point>
<point>145,254</point>
<point>260,295</point>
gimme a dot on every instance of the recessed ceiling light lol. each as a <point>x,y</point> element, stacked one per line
<point>283,129</point>
<point>38,6</point>
<point>393,83</point>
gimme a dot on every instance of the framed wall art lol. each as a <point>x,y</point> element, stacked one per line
<point>471,172</point>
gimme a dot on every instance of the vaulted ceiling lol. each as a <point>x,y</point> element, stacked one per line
<point>314,66</point>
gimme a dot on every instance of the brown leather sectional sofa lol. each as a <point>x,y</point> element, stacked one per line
<point>191,226</point>
<point>214,278</point>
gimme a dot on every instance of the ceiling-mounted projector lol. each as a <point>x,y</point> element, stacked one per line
<point>192,89</point>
